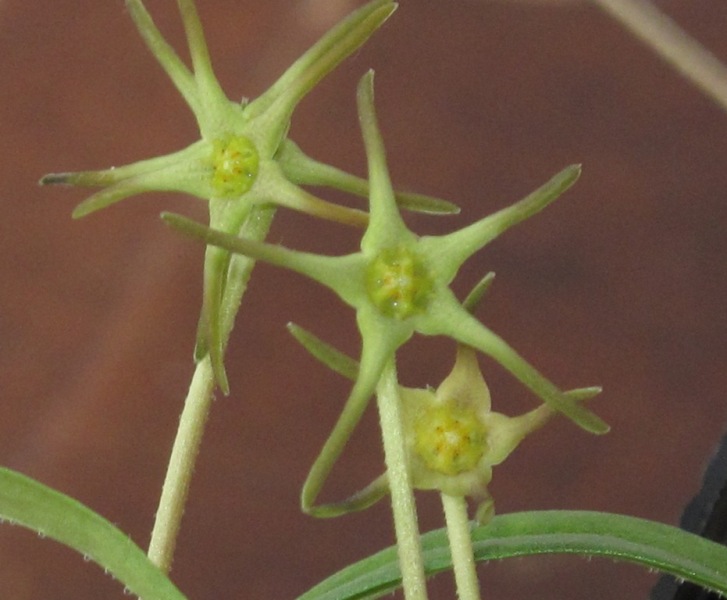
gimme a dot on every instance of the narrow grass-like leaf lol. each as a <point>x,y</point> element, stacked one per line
<point>618,537</point>
<point>30,504</point>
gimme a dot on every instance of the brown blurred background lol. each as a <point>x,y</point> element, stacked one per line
<point>620,283</point>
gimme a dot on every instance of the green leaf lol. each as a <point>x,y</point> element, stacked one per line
<point>26,502</point>
<point>647,543</point>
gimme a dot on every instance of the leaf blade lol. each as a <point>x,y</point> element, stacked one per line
<point>639,541</point>
<point>30,504</point>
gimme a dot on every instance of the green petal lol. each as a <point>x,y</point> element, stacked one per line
<point>380,341</point>
<point>361,500</point>
<point>386,228</point>
<point>339,273</point>
<point>184,171</point>
<point>465,383</point>
<point>449,318</point>
<point>214,105</point>
<point>506,433</point>
<point>452,250</point>
<point>284,193</point>
<point>319,60</point>
<point>303,170</point>
<point>169,60</point>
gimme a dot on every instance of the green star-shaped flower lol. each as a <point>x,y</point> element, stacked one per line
<point>399,284</point>
<point>243,158</point>
<point>452,436</point>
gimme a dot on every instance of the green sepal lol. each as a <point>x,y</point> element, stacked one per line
<point>331,357</point>
<point>473,299</point>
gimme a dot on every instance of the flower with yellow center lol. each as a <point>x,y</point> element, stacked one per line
<point>244,159</point>
<point>452,435</point>
<point>399,285</point>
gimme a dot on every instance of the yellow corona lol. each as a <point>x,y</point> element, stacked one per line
<point>398,283</point>
<point>235,164</point>
<point>449,439</point>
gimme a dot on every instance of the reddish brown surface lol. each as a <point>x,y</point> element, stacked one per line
<point>621,283</point>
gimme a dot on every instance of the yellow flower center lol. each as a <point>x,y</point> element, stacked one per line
<point>235,163</point>
<point>449,439</point>
<point>398,283</point>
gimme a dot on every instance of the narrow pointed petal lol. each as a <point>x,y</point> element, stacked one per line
<point>380,341</point>
<point>196,151</point>
<point>108,196</point>
<point>81,178</point>
<point>507,433</point>
<point>465,383</point>
<point>333,272</point>
<point>212,98</point>
<point>510,431</point>
<point>116,188</point>
<point>361,500</point>
<point>325,353</point>
<point>285,193</point>
<point>452,320</point>
<point>453,249</point>
<point>386,227</point>
<point>344,39</point>
<point>172,180</point>
<point>177,71</point>
<point>303,170</point>
<point>185,171</point>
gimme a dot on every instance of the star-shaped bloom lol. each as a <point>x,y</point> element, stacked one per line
<point>399,285</point>
<point>453,438</point>
<point>244,158</point>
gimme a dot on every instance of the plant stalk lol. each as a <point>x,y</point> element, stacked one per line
<point>460,544</point>
<point>181,465</point>
<point>402,497</point>
<point>197,405</point>
<point>673,44</point>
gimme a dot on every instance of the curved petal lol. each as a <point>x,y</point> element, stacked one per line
<point>380,341</point>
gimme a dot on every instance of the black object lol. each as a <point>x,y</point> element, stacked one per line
<point>705,515</point>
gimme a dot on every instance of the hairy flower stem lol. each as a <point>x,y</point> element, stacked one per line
<point>402,497</point>
<point>645,20</point>
<point>181,465</point>
<point>460,543</point>
<point>197,406</point>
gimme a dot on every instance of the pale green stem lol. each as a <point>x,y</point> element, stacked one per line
<point>460,544</point>
<point>402,497</point>
<point>197,406</point>
<point>181,465</point>
<point>673,44</point>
